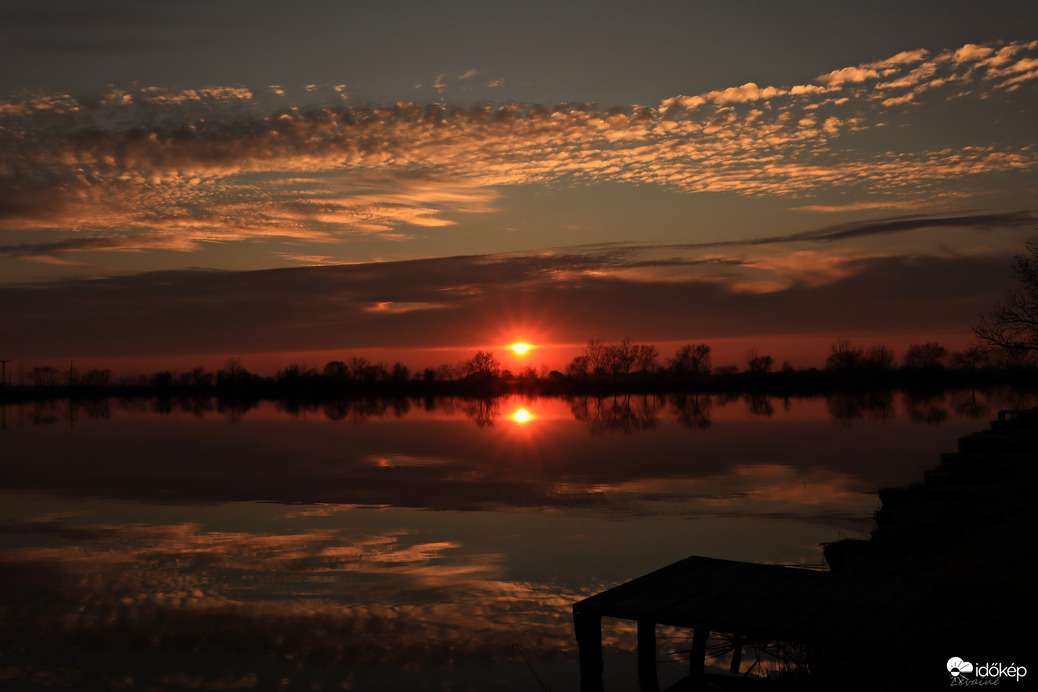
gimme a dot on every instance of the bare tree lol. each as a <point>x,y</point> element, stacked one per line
<point>296,373</point>
<point>528,374</point>
<point>645,356</point>
<point>758,364</point>
<point>969,358</point>
<point>1013,325</point>
<point>483,364</point>
<point>448,371</point>
<point>360,368</point>
<point>233,372</point>
<point>878,358</point>
<point>198,377</point>
<point>597,354</point>
<point>43,376</point>
<point>928,355</point>
<point>399,372</point>
<point>161,380</point>
<point>97,378</point>
<point>622,357</point>
<point>378,372</point>
<point>577,367</point>
<point>844,356</point>
<point>691,360</point>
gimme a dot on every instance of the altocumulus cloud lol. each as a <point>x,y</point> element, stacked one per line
<point>144,167</point>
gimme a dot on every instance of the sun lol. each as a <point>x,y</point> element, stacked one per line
<point>522,416</point>
<point>520,348</point>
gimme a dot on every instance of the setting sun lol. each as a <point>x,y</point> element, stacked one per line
<point>520,348</point>
<point>521,416</point>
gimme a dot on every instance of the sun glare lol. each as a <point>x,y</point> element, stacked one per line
<point>520,348</point>
<point>521,416</point>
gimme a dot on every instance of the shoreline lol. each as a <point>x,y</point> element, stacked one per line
<point>966,535</point>
<point>315,387</point>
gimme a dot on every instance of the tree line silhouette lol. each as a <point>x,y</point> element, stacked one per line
<point>601,366</point>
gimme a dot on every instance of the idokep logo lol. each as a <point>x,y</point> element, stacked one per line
<point>965,673</point>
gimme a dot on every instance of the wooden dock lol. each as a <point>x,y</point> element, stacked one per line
<point>742,599</point>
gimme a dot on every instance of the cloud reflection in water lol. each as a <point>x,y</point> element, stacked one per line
<point>399,538</point>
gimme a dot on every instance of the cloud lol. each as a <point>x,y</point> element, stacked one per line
<point>182,167</point>
<point>162,97</point>
<point>391,307</point>
<point>903,58</point>
<point>1018,219</point>
<point>971,53</point>
<point>808,267</point>
<point>653,291</point>
<point>852,75</point>
<point>309,260</point>
<point>898,100</point>
<point>863,229</point>
<point>1023,70</point>
<point>863,205</point>
<point>921,74</point>
<point>90,243</point>
<point>741,94</point>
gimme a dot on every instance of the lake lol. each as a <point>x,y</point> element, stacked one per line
<point>410,544</point>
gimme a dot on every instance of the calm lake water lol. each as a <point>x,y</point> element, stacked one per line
<point>418,545</point>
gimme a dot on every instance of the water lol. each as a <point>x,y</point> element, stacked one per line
<point>420,545</point>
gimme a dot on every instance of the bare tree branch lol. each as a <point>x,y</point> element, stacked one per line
<point>1013,325</point>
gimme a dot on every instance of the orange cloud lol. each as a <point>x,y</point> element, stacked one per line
<point>852,75</point>
<point>971,53</point>
<point>809,267</point>
<point>149,167</point>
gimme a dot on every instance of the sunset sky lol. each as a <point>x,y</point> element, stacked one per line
<point>186,181</point>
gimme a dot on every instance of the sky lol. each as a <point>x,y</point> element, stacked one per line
<point>185,181</point>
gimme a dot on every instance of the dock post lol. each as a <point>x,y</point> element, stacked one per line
<point>647,679</point>
<point>697,657</point>
<point>736,655</point>
<point>588,627</point>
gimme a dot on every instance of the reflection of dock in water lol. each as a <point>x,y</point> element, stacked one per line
<point>977,502</point>
<point>746,600</point>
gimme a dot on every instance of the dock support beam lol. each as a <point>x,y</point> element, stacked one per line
<point>647,680</point>
<point>588,628</point>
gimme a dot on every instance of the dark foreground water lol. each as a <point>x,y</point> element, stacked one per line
<point>409,545</point>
